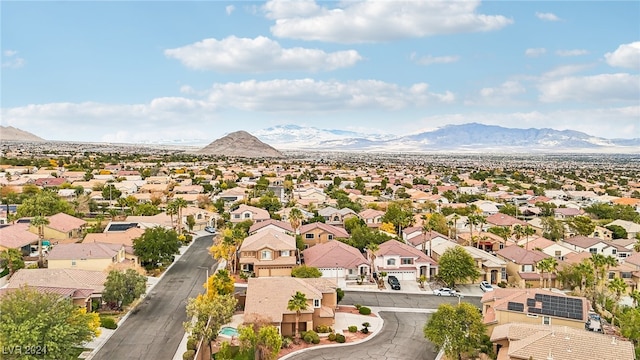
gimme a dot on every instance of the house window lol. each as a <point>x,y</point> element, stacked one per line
<point>527,268</point>
<point>330,237</point>
<point>622,255</point>
<point>391,261</point>
<point>236,216</point>
<point>308,236</point>
<point>265,255</point>
<point>247,215</point>
<point>316,303</point>
<point>73,263</point>
<point>625,275</point>
<point>593,250</point>
<point>558,253</point>
<point>501,246</point>
<point>503,274</point>
<point>546,320</point>
<point>612,275</point>
<point>285,253</point>
<point>614,251</point>
<point>335,218</point>
<point>406,261</point>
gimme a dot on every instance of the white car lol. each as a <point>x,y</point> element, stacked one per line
<point>485,286</point>
<point>445,292</point>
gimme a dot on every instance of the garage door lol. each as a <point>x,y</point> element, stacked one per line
<point>403,275</point>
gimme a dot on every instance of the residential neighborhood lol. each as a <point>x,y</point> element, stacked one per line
<point>289,236</point>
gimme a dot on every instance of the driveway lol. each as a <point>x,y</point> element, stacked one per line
<point>154,330</point>
<point>401,338</point>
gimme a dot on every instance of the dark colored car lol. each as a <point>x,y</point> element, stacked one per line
<point>394,282</point>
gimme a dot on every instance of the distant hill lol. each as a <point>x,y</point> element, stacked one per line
<point>9,133</point>
<point>240,144</point>
<point>472,137</point>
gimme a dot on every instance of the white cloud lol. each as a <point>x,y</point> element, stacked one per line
<point>376,21</point>
<point>302,95</point>
<point>503,95</point>
<point>625,56</point>
<point>428,60</point>
<point>257,55</point>
<point>229,9</point>
<point>573,52</point>
<point>565,70</point>
<point>547,16</point>
<point>10,60</point>
<point>535,52</point>
<point>596,88</point>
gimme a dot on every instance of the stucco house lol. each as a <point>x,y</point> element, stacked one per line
<point>87,256</point>
<point>320,233</point>
<point>61,227</point>
<point>268,253</point>
<point>522,270</point>
<point>402,261</point>
<point>247,212</point>
<point>337,260</point>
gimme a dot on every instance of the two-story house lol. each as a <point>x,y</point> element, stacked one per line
<point>402,261</point>
<point>491,268</point>
<point>371,217</point>
<point>333,216</point>
<point>278,225</point>
<point>268,253</point>
<point>522,268</point>
<point>320,233</point>
<point>86,256</point>
<point>247,212</point>
<point>337,260</point>
<point>269,297</point>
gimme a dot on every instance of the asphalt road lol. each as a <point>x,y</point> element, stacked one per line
<point>154,329</point>
<point>399,300</point>
<point>401,338</point>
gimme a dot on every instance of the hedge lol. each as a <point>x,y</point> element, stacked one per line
<point>364,310</point>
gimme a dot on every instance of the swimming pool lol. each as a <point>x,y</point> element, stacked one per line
<point>228,331</point>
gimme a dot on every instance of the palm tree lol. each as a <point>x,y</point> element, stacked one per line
<point>518,231</point>
<point>295,218</point>
<point>171,210</point>
<point>12,260</point>
<point>585,269</point>
<point>426,228</point>
<point>297,303</point>
<point>635,296</point>
<point>472,220</point>
<point>528,231</point>
<point>40,222</point>
<point>636,246</point>
<point>373,249</point>
<point>618,287</point>
<point>455,219</point>
<point>549,266</point>
<point>180,204</point>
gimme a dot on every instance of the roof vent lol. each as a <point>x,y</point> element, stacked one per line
<point>550,357</point>
<point>613,341</point>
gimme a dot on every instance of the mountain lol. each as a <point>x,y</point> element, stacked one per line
<point>471,137</point>
<point>9,133</point>
<point>299,137</point>
<point>240,144</point>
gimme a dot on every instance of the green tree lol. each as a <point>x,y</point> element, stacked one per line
<point>180,204</point>
<point>618,287</point>
<point>191,222</point>
<point>552,229</point>
<point>629,321</point>
<point>31,319</point>
<point>547,265</point>
<point>635,296</point>
<point>208,314</point>
<point>297,303</point>
<point>11,259</point>
<point>295,219</point>
<point>156,247</point>
<point>304,271</point>
<point>109,192</point>
<point>618,232</point>
<point>456,265</point>
<point>123,287</point>
<point>400,214</point>
<point>43,203</point>
<point>40,222</point>
<point>582,225</point>
<point>458,330</point>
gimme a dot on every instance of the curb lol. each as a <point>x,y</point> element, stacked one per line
<point>126,316</point>
<point>374,333</point>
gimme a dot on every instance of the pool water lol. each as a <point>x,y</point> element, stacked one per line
<point>229,331</point>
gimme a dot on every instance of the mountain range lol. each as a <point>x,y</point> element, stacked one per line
<point>240,144</point>
<point>472,137</point>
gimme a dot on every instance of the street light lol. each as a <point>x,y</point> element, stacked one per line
<point>207,279</point>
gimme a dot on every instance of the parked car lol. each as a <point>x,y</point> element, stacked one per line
<point>485,286</point>
<point>393,282</point>
<point>210,229</point>
<point>445,292</point>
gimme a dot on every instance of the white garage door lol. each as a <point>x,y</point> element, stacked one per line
<point>403,275</point>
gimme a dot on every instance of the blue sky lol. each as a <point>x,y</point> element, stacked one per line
<point>135,71</point>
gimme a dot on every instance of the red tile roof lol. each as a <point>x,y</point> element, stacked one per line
<point>521,256</point>
<point>16,236</point>
<point>333,253</point>
<point>65,223</point>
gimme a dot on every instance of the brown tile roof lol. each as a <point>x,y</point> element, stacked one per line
<point>67,278</point>
<point>16,236</point>
<point>521,256</point>
<point>334,252</point>
<point>582,241</point>
<point>84,251</point>
<point>500,219</point>
<point>65,223</point>
<point>281,224</point>
<point>268,238</point>
<point>394,247</point>
<point>528,341</point>
<point>501,298</point>
<point>337,232</point>
<point>262,297</point>
<point>370,213</point>
<point>115,237</point>
<point>418,239</point>
<point>258,214</point>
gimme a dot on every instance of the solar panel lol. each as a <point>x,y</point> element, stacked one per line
<point>531,302</point>
<point>122,227</point>
<point>515,306</point>
<point>24,221</point>
<point>535,310</point>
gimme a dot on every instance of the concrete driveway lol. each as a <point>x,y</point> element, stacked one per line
<point>401,338</point>
<point>154,329</point>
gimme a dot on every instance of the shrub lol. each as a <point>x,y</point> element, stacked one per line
<point>286,342</point>
<point>311,337</point>
<point>364,310</point>
<point>353,328</point>
<point>332,337</point>
<point>324,329</point>
<point>357,306</point>
<point>108,323</point>
<point>192,343</point>
<point>339,294</point>
<point>189,355</point>
<point>502,284</point>
<point>340,338</point>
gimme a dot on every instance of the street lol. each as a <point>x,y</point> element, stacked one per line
<point>399,300</point>
<point>154,329</point>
